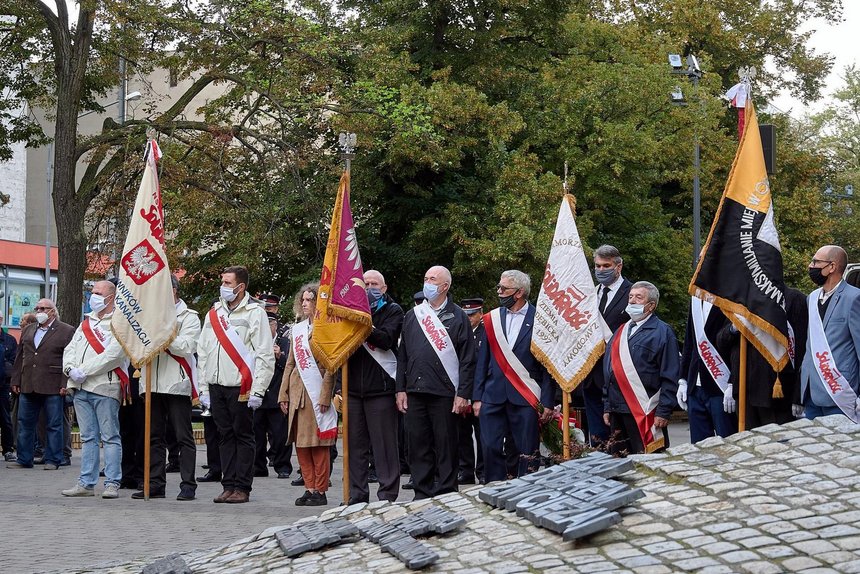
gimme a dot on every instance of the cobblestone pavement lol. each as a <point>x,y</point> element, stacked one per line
<point>44,531</point>
<point>777,499</point>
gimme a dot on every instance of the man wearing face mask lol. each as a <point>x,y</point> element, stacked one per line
<point>435,372</point>
<point>38,380</point>
<point>612,292</point>
<point>371,402</point>
<point>509,379</point>
<point>236,362</point>
<point>641,373</point>
<point>97,368</point>
<point>830,373</point>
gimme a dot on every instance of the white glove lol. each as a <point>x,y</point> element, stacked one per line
<point>797,411</point>
<point>255,402</point>
<point>729,403</point>
<point>77,375</point>
<point>204,400</point>
<point>682,394</point>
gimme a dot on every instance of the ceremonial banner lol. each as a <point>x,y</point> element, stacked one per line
<point>568,335</point>
<point>741,266</point>
<point>145,318</point>
<point>342,320</point>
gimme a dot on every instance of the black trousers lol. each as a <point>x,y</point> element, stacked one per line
<point>625,434</point>
<point>171,411</point>
<point>172,443</point>
<point>131,423</point>
<point>235,422</point>
<point>7,439</point>
<point>431,429</point>
<point>373,433</point>
<point>270,427</point>
<point>213,441</point>
<point>402,443</point>
<point>471,464</point>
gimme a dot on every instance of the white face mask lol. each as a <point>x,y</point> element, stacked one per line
<point>636,311</point>
<point>228,294</point>
<point>97,303</point>
<point>41,318</point>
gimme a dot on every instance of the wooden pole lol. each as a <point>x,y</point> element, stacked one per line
<point>742,387</point>
<point>344,386</point>
<point>147,431</point>
<point>565,428</point>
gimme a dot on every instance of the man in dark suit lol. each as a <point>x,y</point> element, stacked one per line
<point>501,408</point>
<point>471,463</point>
<point>38,377</point>
<point>612,293</point>
<point>653,351</point>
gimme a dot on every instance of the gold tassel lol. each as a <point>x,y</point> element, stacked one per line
<point>136,374</point>
<point>777,390</point>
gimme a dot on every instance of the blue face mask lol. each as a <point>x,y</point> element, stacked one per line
<point>373,296</point>
<point>431,291</point>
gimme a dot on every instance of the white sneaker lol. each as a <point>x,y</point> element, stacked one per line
<point>111,491</point>
<point>79,490</point>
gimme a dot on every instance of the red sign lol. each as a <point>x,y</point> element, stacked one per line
<point>142,262</point>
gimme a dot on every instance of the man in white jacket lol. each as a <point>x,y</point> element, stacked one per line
<point>97,368</point>
<point>173,376</point>
<point>236,362</point>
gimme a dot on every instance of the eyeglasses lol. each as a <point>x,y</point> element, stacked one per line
<point>502,288</point>
<point>43,308</point>
<point>817,261</point>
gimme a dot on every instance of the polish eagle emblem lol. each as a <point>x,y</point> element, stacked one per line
<point>142,262</point>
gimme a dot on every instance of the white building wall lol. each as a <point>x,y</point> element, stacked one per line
<point>13,182</point>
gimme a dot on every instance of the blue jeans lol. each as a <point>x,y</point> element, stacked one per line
<point>811,411</point>
<point>98,417</point>
<point>29,407</point>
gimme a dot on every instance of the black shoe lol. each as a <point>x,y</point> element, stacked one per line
<point>172,468</point>
<point>372,478</point>
<point>283,475</point>
<point>409,485</point>
<point>303,499</point>
<point>66,462</point>
<point>317,499</point>
<point>102,473</point>
<point>464,479</point>
<point>210,477</point>
<point>353,500</point>
<point>153,494</point>
<point>298,481</point>
<point>186,494</point>
<point>128,484</point>
<point>261,473</point>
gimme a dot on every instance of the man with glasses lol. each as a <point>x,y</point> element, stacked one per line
<point>38,380</point>
<point>830,373</point>
<point>510,381</point>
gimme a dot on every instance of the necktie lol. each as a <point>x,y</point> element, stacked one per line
<point>604,297</point>
<point>632,330</point>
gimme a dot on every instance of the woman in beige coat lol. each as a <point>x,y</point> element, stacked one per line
<point>312,451</point>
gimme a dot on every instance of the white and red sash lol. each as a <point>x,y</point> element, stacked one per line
<point>440,340</point>
<point>309,372</point>
<point>386,359</point>
<point>642,407</point>
<point>711,358</point>
<point>98,340</point>
<point>511,366</point>
<point>230,340</point>
<point>835,383</point>
<point>188,364</point>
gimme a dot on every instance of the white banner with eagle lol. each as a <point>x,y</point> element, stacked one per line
<point>145,318</point>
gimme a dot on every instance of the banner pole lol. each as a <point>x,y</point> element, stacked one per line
<point>344,371</point>
<point>147,430</point>
<point>742,387</point>
<point>565,425</point>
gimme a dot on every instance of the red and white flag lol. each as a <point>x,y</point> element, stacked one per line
<point>144,321</point>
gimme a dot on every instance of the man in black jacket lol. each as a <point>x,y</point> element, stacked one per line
<point>435,372</point>
<point>270,424</point>
<point>372,407</point>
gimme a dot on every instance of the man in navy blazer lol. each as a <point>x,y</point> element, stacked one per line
<point>838,306</point>
<point>501,409</point>
<point>654,351</point>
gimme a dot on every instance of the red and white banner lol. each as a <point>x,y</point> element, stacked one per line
<point>144,321</point>
<point>835,383</point>
<point>188,364</point>
<point>569,334</point>
<point>642,407</point>
<point>511,366</point>
<point>98,340</point>
<point>309,372</point>
<point>230,340</point>
<point>440,340</point>
<point>711,358</point>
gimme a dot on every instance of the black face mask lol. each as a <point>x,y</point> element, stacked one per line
<point>508,301</point>
<point>816,276</point>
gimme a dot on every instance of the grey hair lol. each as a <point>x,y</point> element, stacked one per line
<point>609,252</point>
<point>519,279</point>
<point>653,292</point>
<point>174,281</point>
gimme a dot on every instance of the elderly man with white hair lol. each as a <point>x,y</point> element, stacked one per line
<point>641,376</point>
<point>435,372</point>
